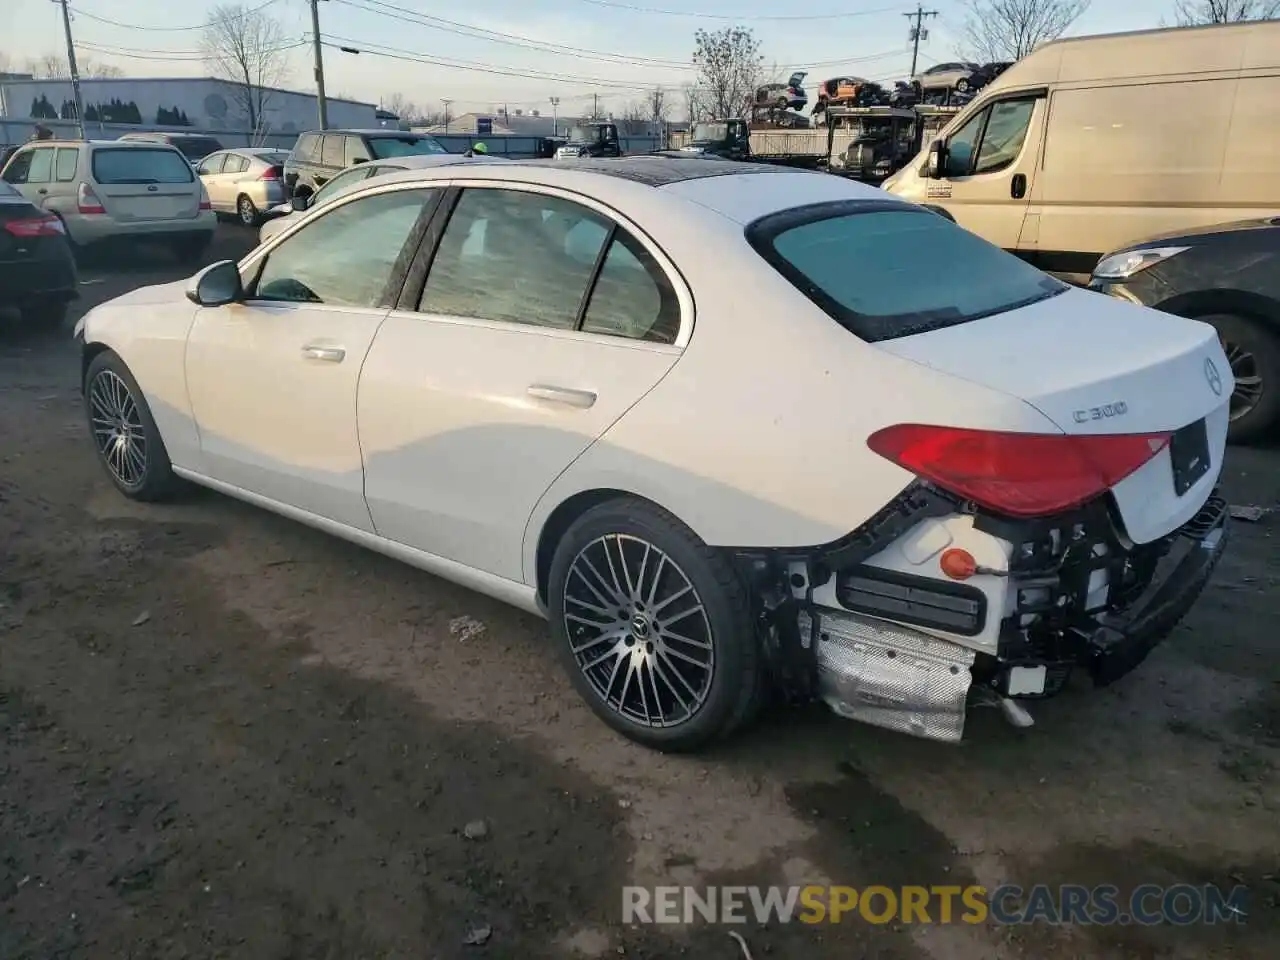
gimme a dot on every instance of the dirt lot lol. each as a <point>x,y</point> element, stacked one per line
<point>225,735</point>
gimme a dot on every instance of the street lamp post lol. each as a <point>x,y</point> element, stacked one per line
<point>555,116</point>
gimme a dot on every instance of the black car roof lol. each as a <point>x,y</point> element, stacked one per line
<point>656,171</point>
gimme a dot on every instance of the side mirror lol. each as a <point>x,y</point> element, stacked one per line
<point>216,285</point>
<point>359,160</point>
<point>300,203</point>
<point>937,161</point>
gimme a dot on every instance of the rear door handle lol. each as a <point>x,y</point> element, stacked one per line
<point>581,399</point>
<point>313,351</point>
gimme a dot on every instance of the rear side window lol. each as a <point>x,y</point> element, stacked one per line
<point>235,164</point>
<point>41,166</point>
<point>65,166</point>
<point>193,148</point>
<point>886,270</point>
<point>334,152</point>
<point>140,165</point>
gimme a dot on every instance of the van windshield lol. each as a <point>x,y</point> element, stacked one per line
<point>887,270</point>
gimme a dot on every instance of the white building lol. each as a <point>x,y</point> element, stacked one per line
<point>198,104</point>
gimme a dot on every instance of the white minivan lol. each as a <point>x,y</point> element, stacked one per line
<point>1091,144</point>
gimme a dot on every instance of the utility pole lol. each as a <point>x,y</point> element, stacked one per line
<point>315,43</point>
<point>555,116</point>
<point>446,101</point>
<point>918,33</point>
<point>75,71</point>
<point>595,106</point>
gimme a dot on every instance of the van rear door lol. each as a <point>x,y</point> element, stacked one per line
<point>145,183</point>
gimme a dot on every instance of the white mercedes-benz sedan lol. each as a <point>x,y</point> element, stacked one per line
<point>734,430</point>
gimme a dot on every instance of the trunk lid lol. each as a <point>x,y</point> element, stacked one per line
<point>145,183</point>
<point>1097,365</point>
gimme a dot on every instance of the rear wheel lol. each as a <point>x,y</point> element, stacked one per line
<point>962,85</point>
<point>654,627</point>
<point>124,433</point>
<point>1253,351</point>
<point>247,212</point>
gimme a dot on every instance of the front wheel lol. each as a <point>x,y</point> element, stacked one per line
<point>124,433</point>
<point>1253,351</point>
<point>654,627</point>
<point>962,85</point>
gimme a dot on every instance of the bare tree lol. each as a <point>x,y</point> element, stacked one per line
<point>247,48</point>
<point>1194,12</point>
<point>50,66</point>
<point>1000,30</point>
<point>635,119</point>
<point>656,104</point>
<point>401,106</point>
<point>729,69</point>
<point>695,105</point>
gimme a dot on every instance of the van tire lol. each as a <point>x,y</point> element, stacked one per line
<point>1254,351</point>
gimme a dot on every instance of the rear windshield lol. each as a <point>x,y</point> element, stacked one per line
<point>385,147</point>
<point>885,269</point>
<point>275,159</point>
<point>196,148</point>
<point>140,165</point>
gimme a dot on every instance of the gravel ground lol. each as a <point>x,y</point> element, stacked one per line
<point>226,735</point>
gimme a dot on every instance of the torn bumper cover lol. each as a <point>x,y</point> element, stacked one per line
<point>1122,640</point>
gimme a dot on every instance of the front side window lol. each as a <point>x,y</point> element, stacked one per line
<point>357,152</point>
<point>67,163</point>
<point>41,166</point>
<point>348,257</point>
<point>532,259</point>
<point>1006,130</point>
<point>385,148</point>
<point>861,264</point>
<point>307,149</point>
<point>962,144</point>
<point>140,165</point>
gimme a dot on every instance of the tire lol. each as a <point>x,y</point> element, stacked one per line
<point>962,85</point>
<point>716,686</point>
<point>46,314</point>
<point>1253,351</point>
<point>112,401</point>
<point>247,213</point>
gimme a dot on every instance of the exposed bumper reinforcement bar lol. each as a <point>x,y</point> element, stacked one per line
<point>1121,641</point>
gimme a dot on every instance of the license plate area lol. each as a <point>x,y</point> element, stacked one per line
<point>1189,456</point>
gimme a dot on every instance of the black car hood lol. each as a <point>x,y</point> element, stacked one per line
<point>1205,234</point>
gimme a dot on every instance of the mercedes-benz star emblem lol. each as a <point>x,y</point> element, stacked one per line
<point>640,626</point>
<point>1213,376</point>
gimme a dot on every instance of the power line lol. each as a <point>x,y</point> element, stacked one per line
<point>187,56</point>
<point>135,26</point>
<point>739,18</point>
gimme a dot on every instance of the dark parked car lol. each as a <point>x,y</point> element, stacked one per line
<point>193,146</point>
<point>37,271</point>
<point>319,156</point>
<point>1227,276</point>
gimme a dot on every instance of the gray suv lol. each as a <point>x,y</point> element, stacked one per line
<point>321,155</point>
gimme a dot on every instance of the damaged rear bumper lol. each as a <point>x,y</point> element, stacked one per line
<point>901,678</point>
<point>1121,641</point>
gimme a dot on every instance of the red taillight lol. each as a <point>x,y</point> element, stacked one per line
<point>1018,474</point>
<point>204,199</point>
<point>49,226</point>
<point>87,201</point>
<point>272,173</point>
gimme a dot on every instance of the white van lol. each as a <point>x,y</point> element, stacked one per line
<point>1093,143</point>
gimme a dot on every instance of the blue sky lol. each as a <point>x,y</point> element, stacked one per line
<point>636,43</point>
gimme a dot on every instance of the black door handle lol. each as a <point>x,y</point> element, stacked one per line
<point>1018,186</point>
<point>42,190</point>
